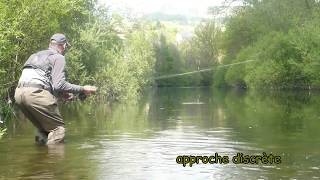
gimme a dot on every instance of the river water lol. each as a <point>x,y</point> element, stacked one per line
<point>143,140</point>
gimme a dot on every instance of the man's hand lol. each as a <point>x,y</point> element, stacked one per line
<point>89,89</point>
<point>67,96</point>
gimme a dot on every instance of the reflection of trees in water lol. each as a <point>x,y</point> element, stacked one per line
<point>285,123</point>
<point>164,107</point>
<point>188,106</point>
<point>159,109</point>
<point>274,116</point>
<point>56,162</point>
<point>254,115</point>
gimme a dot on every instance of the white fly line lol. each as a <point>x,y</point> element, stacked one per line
<point>202,70</point>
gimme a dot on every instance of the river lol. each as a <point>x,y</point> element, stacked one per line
<point>143,140</point>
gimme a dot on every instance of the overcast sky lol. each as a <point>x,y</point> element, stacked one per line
<point>183,7</point>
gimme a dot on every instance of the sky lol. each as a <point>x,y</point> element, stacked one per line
<point>195,8</point>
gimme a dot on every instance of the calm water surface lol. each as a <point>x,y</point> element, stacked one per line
<point>142,141</point>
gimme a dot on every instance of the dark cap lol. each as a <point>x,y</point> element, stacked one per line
<point>60,39</point>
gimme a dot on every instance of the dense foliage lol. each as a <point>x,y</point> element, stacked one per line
<point>281,36</point>
<point>107,50</point>
<point>25,27</point>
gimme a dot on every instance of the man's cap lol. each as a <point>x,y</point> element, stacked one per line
<point>60,39</point>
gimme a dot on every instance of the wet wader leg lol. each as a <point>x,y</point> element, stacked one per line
<point>43,107</point>
<point>41,135</point>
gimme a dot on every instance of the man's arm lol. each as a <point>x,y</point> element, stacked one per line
<point>58,77</point>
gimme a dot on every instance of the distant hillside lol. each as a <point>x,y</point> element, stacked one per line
<point>158,16</point>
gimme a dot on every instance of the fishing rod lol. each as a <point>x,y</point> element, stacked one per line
<point>82,96</point>
<point>202,70</point>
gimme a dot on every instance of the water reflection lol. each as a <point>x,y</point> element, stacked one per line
<point>142,141</point>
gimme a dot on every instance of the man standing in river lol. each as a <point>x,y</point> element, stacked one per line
<point>43,77</point>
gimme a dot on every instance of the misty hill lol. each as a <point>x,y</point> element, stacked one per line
<point>181,19</point>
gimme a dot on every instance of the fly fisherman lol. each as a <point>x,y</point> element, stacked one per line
<point>43,77</point>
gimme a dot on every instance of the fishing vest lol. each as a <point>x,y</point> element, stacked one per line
<point>40,61</point>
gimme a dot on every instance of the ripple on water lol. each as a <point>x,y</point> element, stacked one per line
<point>155,156</point>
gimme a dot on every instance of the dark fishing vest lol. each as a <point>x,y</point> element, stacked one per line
<point>40,61</point>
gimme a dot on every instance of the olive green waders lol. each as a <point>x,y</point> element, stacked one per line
<point>41,108</point>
